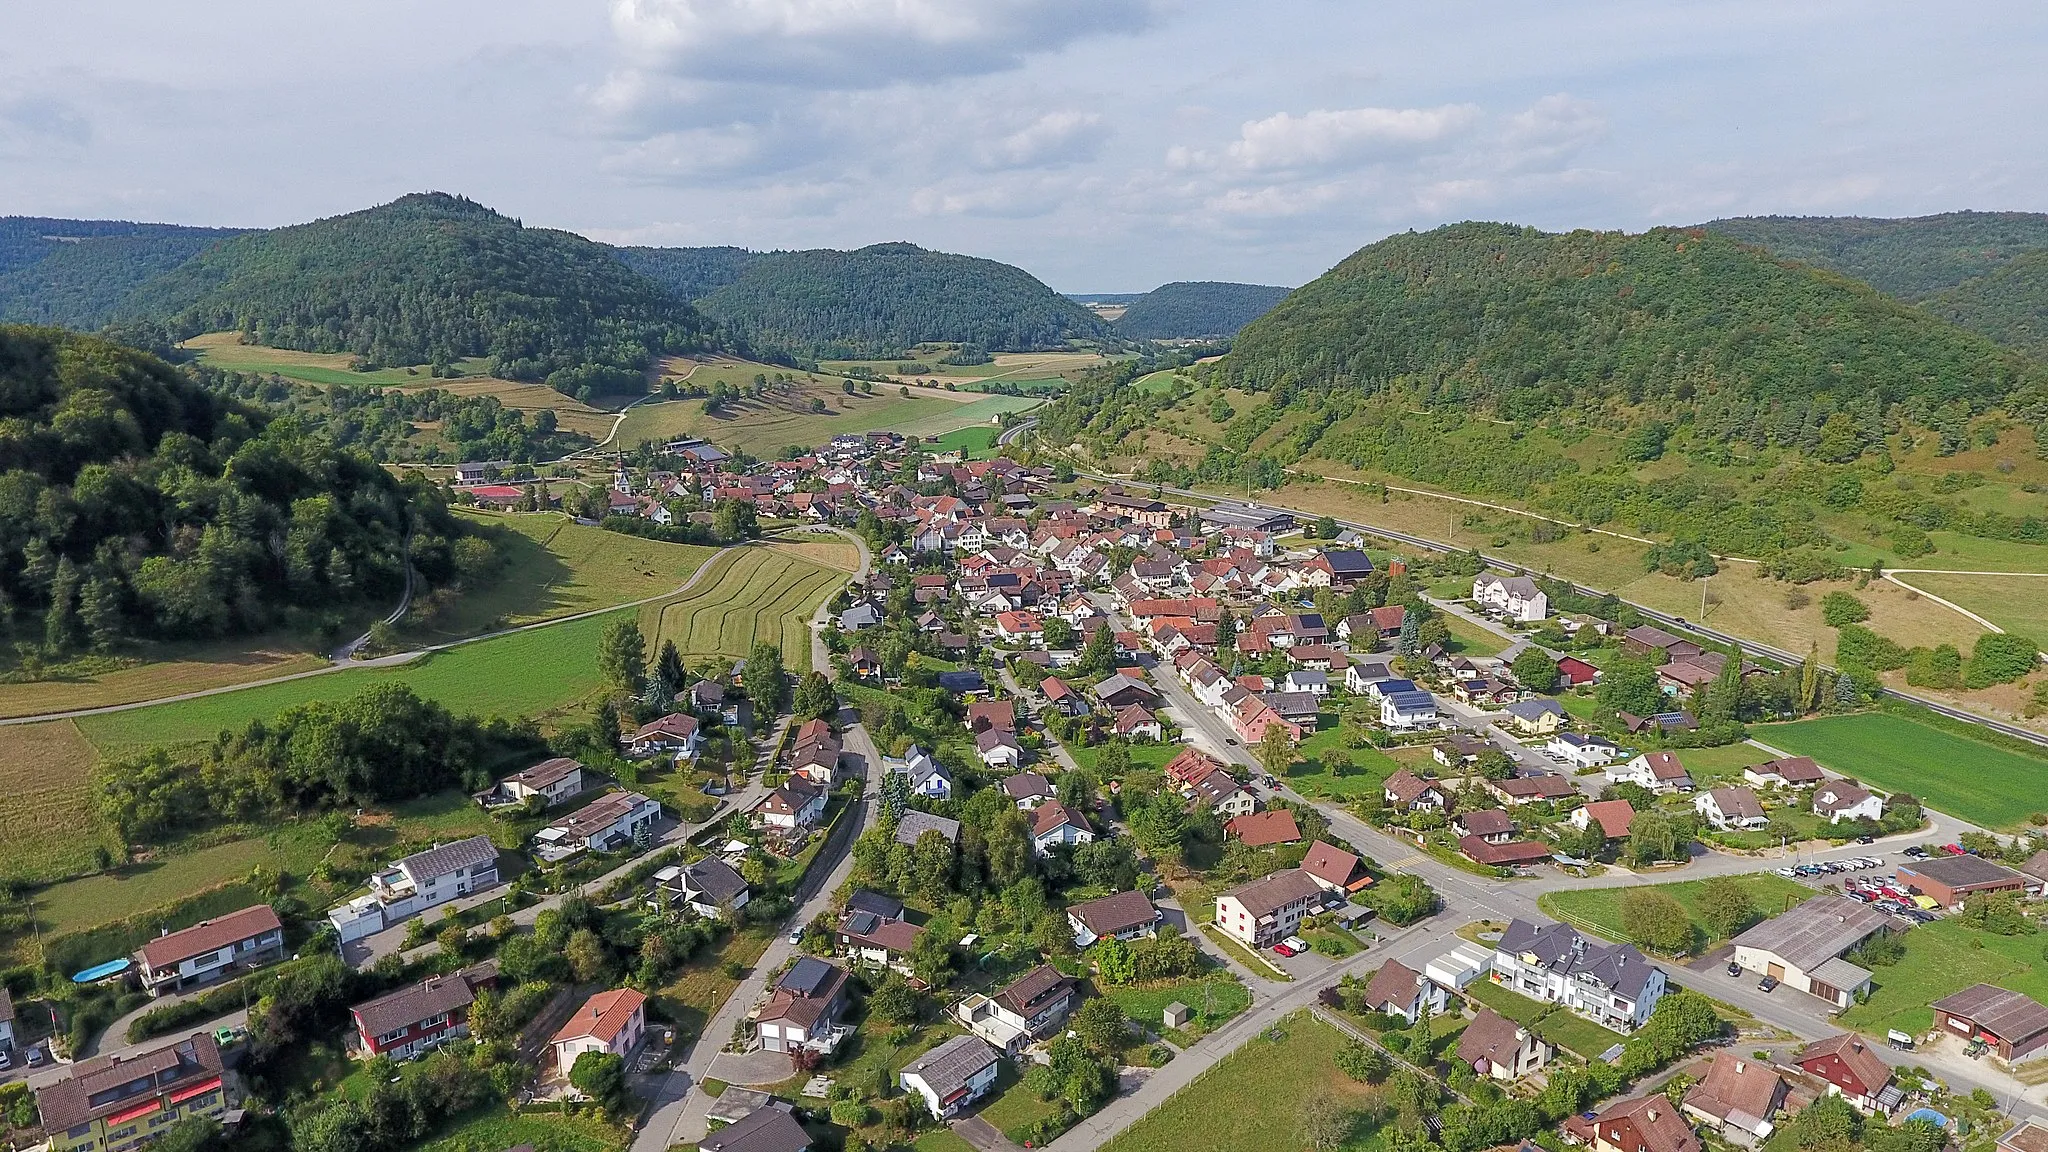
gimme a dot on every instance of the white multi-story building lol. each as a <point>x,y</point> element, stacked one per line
<point>1516,597</point>
<point>1609,984</point>
<point>420,881</point>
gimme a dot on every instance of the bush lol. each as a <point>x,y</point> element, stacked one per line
<point>2000,658</point>
<point>1839,608</point>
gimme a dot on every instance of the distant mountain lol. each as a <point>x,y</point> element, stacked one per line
<point>1985,271</point>
<point>1188,309</point>
<point>690,273</point>
<point>74,272</point>
<point>1104,297</point>
<point>875,301</point>
<point>1525,323</point>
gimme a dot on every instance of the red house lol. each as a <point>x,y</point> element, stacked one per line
<point>1574,671</point>
<point>413,1019</point>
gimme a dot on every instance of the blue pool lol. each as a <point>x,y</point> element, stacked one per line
<point>102,971</point>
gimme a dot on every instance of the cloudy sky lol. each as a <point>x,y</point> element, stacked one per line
<point>1106,145</point>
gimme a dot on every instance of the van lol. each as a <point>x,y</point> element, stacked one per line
<point>1903,1041</point>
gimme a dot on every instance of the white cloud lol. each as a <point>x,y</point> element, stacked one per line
<point>1054,139</point>
<point>1325,139</point>
<point>1552,129</point>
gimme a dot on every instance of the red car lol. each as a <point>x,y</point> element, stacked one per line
<point>1283,950</point>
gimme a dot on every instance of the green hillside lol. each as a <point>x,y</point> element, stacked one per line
<point>1911,258</point>
<point>74,272</point>
<point>2008,304</point>
<point>1526,323</point>
<point>1188,309</point>
<point>689,273</point>
<point>885,298</point>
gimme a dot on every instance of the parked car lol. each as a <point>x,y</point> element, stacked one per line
<point>1284,948</point>
<point>36,1057</point>
<point>1296,943</point>
<point>1866,839</point>
<point>6,1061</point>
<point>1734,969</point>
<point>1767,984</point>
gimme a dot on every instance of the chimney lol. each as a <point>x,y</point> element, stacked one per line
<point>1740,1067</point>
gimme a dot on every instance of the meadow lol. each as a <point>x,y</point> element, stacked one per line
<point>1984,784</point>
<point>977,443</point>
<point>751,595</point>
<point>1599,909</point>
<point>183,668</point>
<point>784,418</point>
<point>43,792</point>
<point>2014,603</point>
<point>557,567</point>
<point>1252,1097</point>
<point>1943,958</point>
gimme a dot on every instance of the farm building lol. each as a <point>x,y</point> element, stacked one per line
<point>2015,1026</point>
<point>1954,879</point>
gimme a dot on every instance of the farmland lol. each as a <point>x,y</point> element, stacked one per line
<point>1599,909</point>
<point>2014,603</point>
<point>43,797</point>
<point>752,595</point>
<point>1981,783</point>
<point>786,415</point>
<point>1252,1097</point>
<point>556,567</point>
<point>192,668</point>
<point>1943,958</point>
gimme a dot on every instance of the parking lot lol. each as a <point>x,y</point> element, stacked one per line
<point>1868,880</point>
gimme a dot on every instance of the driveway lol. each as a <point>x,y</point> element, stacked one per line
<point>983,1135</point>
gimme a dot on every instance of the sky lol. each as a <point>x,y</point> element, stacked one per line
<point>1104,145</point>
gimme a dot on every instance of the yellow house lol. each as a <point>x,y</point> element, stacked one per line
<point>114,1103</point>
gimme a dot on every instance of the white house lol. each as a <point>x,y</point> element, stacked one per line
<point>1267,909</point>
<point>553,780</point>
<point>674,734</point>
<point>1730,807</point>
<point>1657,771</point>
<point>1497,1047</point>
<point>927,776</point>
<point>1582,751</point>
<point>416,883</point>
<point>1398,990</point>
<point>1609,984</point>
<point>1408,711</point>
<point>1839,800</point>
<point>708,887</point>
<point>605,824</point>
<point>1306,680</point>
<point>612,1022</point>
<point>798,803</point>
<point>1025,1011</point>
<point>999,749</point>
<point>1515,597</point>
<point>952,1076</point>
<point>1054,824</point>
<point>211,950</point>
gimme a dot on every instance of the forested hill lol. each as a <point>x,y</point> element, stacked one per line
<point>1187,309</point>
<point>689,273</point>
<point>1985,271</point>
<point>888,297</point>
<point>134,503</point>
<point>73,272</point>
<point>432,278</point>
<point>1526,323</point>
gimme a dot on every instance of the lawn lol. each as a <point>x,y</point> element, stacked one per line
<point>1556,1024</point>
<point>497,1127</point>
<point>1016,1109</point>
<point>46,801</point>
<point>1712,767</point>
<point>1469,639</point>
<point>1943,958</point>
<point>556,567</point>
<point>1599,909</point>
<point>699,987</point>
<point>1311,776</point>
<point>1252,1097</point>
<point>1986,785</point>
<point>102,898</point>
<point>976,443</point>
<point>1212,1000</point>
<point>753,594</point>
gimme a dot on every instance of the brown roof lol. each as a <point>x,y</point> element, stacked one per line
<point>1033,989</point>
<point>1839,796</point>
<point>994,713</point>
<point>1793,769</point>
<point>1659,1124</point>
<point>1117,912</point>
<point>1497,855</point>
<point>1961,873</point>
<point>68,1102</point>
<point>1026,785</point>
<point>1665,766</point>
<point>210,936</point>
<point>1542,786</point>
<point>1613,816</point>
<point>1052,814</point>
<point>1394,984</point>
<point>1269,894</point>
<point>1867,1067</point>
<point>548,771</point>
<point>1331,864</point>
<point>2037,865</point>
<point>602,1017</point>
<point>1736,803</point>
<point>429,998</point>
<point>1405,786</point>
<point>1491,1038</point>
<point>1258,829</point>
<point>2007,1015</point>
<point>680,725</point>
<point>1738,1089</point>
<point>1486,822</point>
<point>891,935</point>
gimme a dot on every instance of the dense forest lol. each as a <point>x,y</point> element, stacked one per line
<point>690,273</point>
<point>1984,271</point>
<point>1190,309</point>
<point>885,298</point>
<point>134,503</point>
<point>385,423</point>
<point>74,272</point>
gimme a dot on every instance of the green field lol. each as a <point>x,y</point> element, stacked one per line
<point>1554,1023</point>
<point>557,567</point>
<point>497,1127</point>
<point>1311,776</point>
<point>754,594</point>
<point>1943,958</point>
<point>2014,603</point>
<point>783,418</point>
<point>90,901</point>
<point>1986,785</point>
<point>1251,1098</point>
<point>1213,999</point>
<point>976,443</point>
<point>43,795</point>
<point>1599,909</point>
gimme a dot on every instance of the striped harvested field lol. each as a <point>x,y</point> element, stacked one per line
<point>750,595</point>
<point>46,810</point>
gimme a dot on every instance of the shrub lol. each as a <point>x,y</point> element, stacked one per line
<point>1839,608</point>
<point>2000,658</point>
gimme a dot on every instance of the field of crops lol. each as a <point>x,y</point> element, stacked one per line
<point>44,800</point>
<point>786,417</point>
<point>751,595</point>
<point>557,567</point>
<point>187,668</point>
<point>1986,785</point>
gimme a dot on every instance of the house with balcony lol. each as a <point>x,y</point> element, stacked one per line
<point>123,1101</point>
<point>553,781</point>
<point>1022,1013</point>
<point>953,1075</point>
<point>1610,984</point>
<point>710,888</point>
<point>612,1022</point>
<point>416,883</point>
<point>604,825</point>
<point>802,1011</point>
<point>211,950</point>
<point>420,1017</point>
<point>1268,909</point>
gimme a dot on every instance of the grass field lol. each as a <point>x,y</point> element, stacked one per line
<point>1556,1024</point>
<point>1985,785</point>
<point>1943,958</point>
<point>976,443</point>
<point>225,350</point>
<point>1311,775</point>
<point>753,594</point>
<point>764,427</point>
<point>1599,909</point>
<point>189,669</point>
<point>1212,999</point>
<point>1252,1097</point>
<point>2014,603</point>
<point>90,901</point>
<point>557,567</point>
<point>44,793</point>
<point>497,1127</point>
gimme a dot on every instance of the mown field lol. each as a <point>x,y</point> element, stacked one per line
<point>751,595</point>
<point>43,794</point>
<point>557,567</point>
<point>1252,1097</point>
<point>765,427</point>
<point>1986,785</point>
<point>192,668</point>
<point>2014,603</point>
<point>1599,909</point>
<point>225,350</point>
<point>1943,958</point>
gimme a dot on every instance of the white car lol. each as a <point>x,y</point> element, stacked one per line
<point>1296,943</point>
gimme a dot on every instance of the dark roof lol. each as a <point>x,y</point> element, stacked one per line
<point>434,996</point>
<point>1033,989</point>
<point>1327,862</point>
<point>1559,948</point>
<point>1490,1038</point>
<point>717,880</point>
<point>947,1068</point>
<point>1269,894</point>
<point>1961,872</point>
<point>1486,822</point>
<point>68,1102</point>
<point>914,824</point>
<point>1815,931</point>
<point>1869,1069</point>
<point>2005,1014</point>
<point>1118,912</point>
<point>886,907</point>
<point>762,1130</point>
<point>1348,563</point>
<point>1026,785</point>
<point>1498,855</point>
<point>1394,984</point>
<point>809,977</point>
<point>546,772</point>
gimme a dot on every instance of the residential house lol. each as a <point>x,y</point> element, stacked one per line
<point>1737,1097</point>
<point>1537,717</point>
<point>6,1020</point>
<point>1731,807</point>
<point>1497,1047</point>
<point>1459,749</point>
<point>1657,771</point>
<point>1516,597</point>
<point>1802,947</point>
<point>1612,817</point>
<point>1789,772</point>
<point>553,780</point>
<point>769,1128</point>
<point>1850,1069</point>
<point>1120,916</point>
<point>1488,824</point>
<point>710,888</point>
<point>1220,792</point>
<point>983,715</point>
<point>610,1022</point>
<point>1609,984</point>
<point>416,883</point>
<point>1582,751</point>
<point>1531,788</point>
<point>865,663</point>
<point>1644,1124</point>
<point>1340,873</point>
<point>925,775</point>
<point>1252,715</point>
<point>816,754</point>
<point>876,940</point>
<point>675,734</point>
<point>1573,672</point>
<point>1398,990</point>
<point>1408,711</point>
<point>1023,1013</point>
<point>859,616</point>
<point>1360,677</point>
<point>1839,800</point>
<point>1054,825</point>
<point>1063,698</point>
<point>1136,722</point>
<point>952,1076</point>
<point>1306,680</point>
<point>422,1016</point>
<point>1951,880</point>
<point>1267,909</point>
<point>1027,790</point>
<point>2013,1026</point>
<point>1679,721</point>
<point>124,1101</point>
<point>1121,690</point>
<point>1264,829</point>
<point>211,950</point>
<point>1646,641</point>
<point>999,749</point>
<point>708,699</point>
<point>803,1008</point>
<point>912,825</point>
<point>1508,853</point>
<point>1407,792</point>
<point>603,825</point>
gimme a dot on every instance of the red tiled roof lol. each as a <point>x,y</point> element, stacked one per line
<point>210,935</point>
<point>602,1017</point>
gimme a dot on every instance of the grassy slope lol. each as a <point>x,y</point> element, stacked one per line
<point>1977,782</point>
<point>558,568</point>
<point>43,793</point>
<point>193,669</point>
<point>754,594</point>
<point>765,427</point>
<point>2014,603</point>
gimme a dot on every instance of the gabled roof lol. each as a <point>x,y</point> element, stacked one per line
<point>443,859</point>
<point>1613,816</point>
<point>1259,829</point>
<point>1736,803</point>
<point>434,996</point>
<point>767,1129</point>
<point>1501,855</point>
<point>1838,796</point>
<point>1486,822</point>
<point>211,935</point>
<point>1737,1089</point>
<point>1491,1039</point>
<point>1027,786</point>
<point>914,824</point>
<point>546,772</point>
<point>947,1069</point>
<point>1051,814</point>
<point>1561,949</point>
<point>602,1017</point>
<point>1866,1068</point>
<point>1034,989</point>
<point>1394,985</point>
<point>2003,1013</point>
<point>1333,865</point>
<point>1269,894</point>
<point>679,725</point>
<point>1793,770</point>
<point>1657,1121</point>
<point>1117,912</point>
